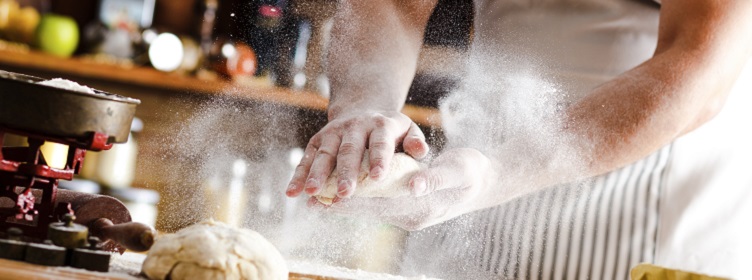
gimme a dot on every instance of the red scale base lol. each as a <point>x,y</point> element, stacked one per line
<point>25,177</point>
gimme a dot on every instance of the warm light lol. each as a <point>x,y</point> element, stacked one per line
<point>228,50</point>
<point>166,52</point>
<point>55,154</point>
<point>295,155</point>
<point>149,35</point>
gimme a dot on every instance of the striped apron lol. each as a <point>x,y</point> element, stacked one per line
<point>598,229</point>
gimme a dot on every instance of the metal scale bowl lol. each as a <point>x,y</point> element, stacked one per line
<point>29,197</point>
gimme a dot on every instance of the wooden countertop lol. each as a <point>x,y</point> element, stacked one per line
<point>13,270</point>
<point>20,270</point>
<point>252,88</point>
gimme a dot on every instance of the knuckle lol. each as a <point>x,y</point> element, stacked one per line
<point>309,152</point>
<point>376,161</point>
<point>350,124</point>
<point>434,182</point>
<point>325,152</point>
<point>315,141</point>
<point>379,145</point>
<point>348,148</point>
<point>381,121</point>
<point>344,172</point>
<point>302,168</point>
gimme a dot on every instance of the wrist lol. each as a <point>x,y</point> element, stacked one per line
<point>363,101</point>
<point>336,111</point>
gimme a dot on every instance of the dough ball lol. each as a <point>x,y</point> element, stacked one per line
<point>393,184</point>
<point>213,250</point>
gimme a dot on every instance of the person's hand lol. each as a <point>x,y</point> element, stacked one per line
<point>454,184</point>
<point>343,141</point>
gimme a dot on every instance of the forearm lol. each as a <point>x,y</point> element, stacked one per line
<point>373,54</point>
<point>648,107</point>
<point>683,86</point>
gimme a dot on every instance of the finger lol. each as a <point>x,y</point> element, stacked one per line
<point>323,164</point>
<point>349,159</point>
<point>381,145</point>
<point>314,203</point>
<point>450,170</point>
<point>301,172</point>
<point>414,143</point>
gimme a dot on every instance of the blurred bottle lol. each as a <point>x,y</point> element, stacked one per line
<point>233,60</point>
<point>226,190</point>
<point>260,25</point>
<point>208,16</point>
<point>114,168</point>
<point>303,45</point>
<point>141,203</point>
<point>118,29</point>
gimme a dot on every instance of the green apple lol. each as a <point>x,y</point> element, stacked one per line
<point>57,35</point>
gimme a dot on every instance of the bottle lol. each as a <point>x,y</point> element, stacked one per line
<point>262,31</point>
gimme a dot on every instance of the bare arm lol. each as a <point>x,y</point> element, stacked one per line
<point>702,47</point>
<point>374,53</point>
<point>372,60</point>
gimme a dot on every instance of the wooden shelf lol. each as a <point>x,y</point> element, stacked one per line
<point>254,89</point>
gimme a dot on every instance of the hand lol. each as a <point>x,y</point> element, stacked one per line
<point>455,183</point>
<point>342,143</point>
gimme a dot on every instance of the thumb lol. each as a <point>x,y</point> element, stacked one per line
<point>457,168</point>
<point>428,181</point>
<point>414,142</point>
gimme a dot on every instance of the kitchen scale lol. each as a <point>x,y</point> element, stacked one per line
<point>40,223</point>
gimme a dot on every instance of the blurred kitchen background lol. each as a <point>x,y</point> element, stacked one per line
<point>231,91</point>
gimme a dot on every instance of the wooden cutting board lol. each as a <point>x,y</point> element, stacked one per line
<point>14,270</point>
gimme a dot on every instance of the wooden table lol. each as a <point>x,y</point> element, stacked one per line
<point>13,270</point>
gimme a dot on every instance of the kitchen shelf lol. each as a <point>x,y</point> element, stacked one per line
<point>254,88</point>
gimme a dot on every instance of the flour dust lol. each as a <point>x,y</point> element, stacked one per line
<point>511,111</point>
<point>231,161</point>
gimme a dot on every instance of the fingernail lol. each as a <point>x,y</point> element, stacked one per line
<point>343,186</point>
<point>336,199</point>
<point>376,172</point>
<point>419,186</point>
<point>312,186</point>
<point>291,190</point>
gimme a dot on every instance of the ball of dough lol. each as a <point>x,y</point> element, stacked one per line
<point>393,184</point>
<point>213,250</point>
